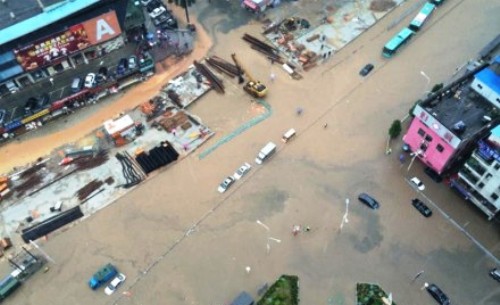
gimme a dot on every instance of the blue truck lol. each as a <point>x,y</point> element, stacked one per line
<point>102,276</point>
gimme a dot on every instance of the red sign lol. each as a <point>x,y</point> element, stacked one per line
<point>47,51</point>
<point>102,28</point>
<point>44,52</point>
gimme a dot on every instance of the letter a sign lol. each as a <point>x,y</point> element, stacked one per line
<point>102,28</point>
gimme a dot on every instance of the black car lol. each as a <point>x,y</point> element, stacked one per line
<point>103,71</point>
<point>433,175</point>
<point>153,4</point>
<point>368,200</point>
<point>438,294</point>
<point>421,207</point>
<point>366,69</point>
<point>34,104</point>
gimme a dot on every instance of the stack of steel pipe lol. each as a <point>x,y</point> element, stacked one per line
<point>212,78</point>
<point>271,52</point>
<point>223,66</point>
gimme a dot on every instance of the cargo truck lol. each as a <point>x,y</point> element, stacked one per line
<point>266,152</point>
<point>102,276</point>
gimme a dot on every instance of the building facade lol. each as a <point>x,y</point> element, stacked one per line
<point>478,180</point>
<point>447,125</point>
<point>61,36</point>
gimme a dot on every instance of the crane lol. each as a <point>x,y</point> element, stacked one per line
<point>252,87</point>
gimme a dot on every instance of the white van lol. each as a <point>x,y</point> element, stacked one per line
<point>266,152</point>
<point>287,136</point>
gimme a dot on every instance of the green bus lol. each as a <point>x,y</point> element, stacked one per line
<point>397,42</point>
<point>7,286</point>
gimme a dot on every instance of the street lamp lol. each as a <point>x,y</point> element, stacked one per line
<point>268,245</point>
<point>344,218</point>
<point>428,80</point>
<point>416,154</point>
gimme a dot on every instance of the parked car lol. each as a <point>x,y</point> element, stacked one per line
<point>102,276</point>
<point>76,85</point>
<point>102,75</point>
<point>132,62</point>
<point>438,294</point>
<point>35,104</point>
<point>225,184</point>
<point>115,283</point>
<point>366,69</point>
<point>415,181</point>
<point>433,175</point>
<point>152,5</point>
<point>89,80</point>
<point>122,66</point>
<point>495,274</point>
<point>368,200</point>
<point>157,12</point>
<point>421,207</point>
<point>30,106</point>
<point>242,171</point>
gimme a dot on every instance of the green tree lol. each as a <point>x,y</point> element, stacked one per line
<point>395,129</point>
<point>437,87</point>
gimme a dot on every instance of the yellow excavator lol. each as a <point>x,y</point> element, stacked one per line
<point>253,87</point>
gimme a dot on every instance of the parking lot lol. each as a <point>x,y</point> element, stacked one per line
<point>60,87</point>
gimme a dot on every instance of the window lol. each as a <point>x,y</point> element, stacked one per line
<point>440,148</point>
<point>480,185</point>
<point>428,138</point>
<point>479,86</point>
<point>421,132</point>
<point>423,147</point>
<point>497,166</point>
<point>494,196</point>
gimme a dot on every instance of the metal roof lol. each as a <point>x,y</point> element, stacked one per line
<point>29,16</point>
<point>491,75</point>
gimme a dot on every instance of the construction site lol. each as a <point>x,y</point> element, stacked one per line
<point>82,177</point>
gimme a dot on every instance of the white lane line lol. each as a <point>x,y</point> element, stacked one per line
<point>459,227</point>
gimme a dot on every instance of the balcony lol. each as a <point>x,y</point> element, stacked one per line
<point>476,166</point>
<point>470,177</point>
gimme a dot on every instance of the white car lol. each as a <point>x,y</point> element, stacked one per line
<point>89,80</point>
<point>225,184</point>
<point>111,288</point>
<point>245,168</point>
<point>415,181</point>
<point>157,12</point>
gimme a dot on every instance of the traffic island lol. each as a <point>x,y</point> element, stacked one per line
<point>285,291</point>
<point>372,294</point>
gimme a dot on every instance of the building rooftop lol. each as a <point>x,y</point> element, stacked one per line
<point>460,110</point>
<point>491,75</point>
<point>18,18</point>
<point>21,10</point>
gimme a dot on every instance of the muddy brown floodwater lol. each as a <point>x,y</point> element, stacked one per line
<point>18,153</point>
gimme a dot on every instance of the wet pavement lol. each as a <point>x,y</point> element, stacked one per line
<point>180,242</point>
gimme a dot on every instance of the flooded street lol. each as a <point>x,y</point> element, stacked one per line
<point>181,242</point>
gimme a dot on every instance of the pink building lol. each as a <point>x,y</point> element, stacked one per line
<point>447,124</point>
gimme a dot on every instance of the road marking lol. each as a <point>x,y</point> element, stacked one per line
<point>459,227</point>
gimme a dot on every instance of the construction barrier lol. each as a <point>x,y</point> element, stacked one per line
<point>35,116</point>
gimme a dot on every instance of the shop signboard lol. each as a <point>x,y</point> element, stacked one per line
<point>78,37</point>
